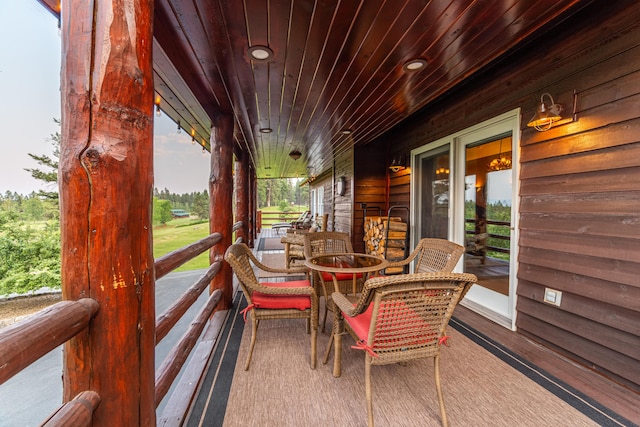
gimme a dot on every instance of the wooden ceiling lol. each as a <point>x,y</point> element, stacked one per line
<point>337,65</point>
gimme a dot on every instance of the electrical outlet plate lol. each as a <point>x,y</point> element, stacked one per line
<point>552,296</point>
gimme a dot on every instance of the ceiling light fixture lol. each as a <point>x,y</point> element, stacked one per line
<point>346,132</point>
<point>266,130</point>
<point>260,53</point>
<point>546,114</point>
<point>414,65</point>
<point>502,162</point>
<point>157,102</point>
<point>295,154</point>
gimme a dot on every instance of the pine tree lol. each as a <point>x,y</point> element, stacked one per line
<point>49,172</point>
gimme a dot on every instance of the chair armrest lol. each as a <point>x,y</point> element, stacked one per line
<point>407,260</point>
<point>276,290</point>
<point>344,304</point>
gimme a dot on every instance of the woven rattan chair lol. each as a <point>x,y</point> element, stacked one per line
<point>397,319</point>
<point>328,242</point>
<point>431,255</point>
<point>275,300</point>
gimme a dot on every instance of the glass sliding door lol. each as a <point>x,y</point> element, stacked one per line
<point>433,201</point>
<point>463,188</point>
<point>487,212</point>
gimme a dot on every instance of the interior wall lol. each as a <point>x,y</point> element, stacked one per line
<point>579,181</point>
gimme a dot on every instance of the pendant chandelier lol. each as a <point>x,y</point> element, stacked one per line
<point>502,162</point>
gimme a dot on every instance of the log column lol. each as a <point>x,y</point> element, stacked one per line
<point>242,195</point>
<point>252,207</point>
<point>220,201</point>
<point>105,182</point>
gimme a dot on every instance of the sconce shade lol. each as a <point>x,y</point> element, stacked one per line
<point>545,115</point>
<point>397,164</point>
<point>295,154</point>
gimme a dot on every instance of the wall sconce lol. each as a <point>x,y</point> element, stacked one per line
<point>546,114</point>
<point>397,164</point>
<point>295,154</point>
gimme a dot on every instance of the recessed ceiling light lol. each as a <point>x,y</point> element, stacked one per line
<point>260,53</point>
<point>346,132</point>
<point>266,130</point>
<point>414,65</point>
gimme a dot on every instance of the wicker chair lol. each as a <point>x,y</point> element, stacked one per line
<point>275,300</point>
<point>327,242</point>
<point>431,255</point>
<point>397,319</point>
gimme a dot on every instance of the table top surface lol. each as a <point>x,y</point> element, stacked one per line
<point>346,263</point>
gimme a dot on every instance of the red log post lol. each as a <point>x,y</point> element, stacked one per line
<point>106,181</point>
<point>250,209</point>
<point>254,206</point>
<point>220,202</point>
<point>242,196</point>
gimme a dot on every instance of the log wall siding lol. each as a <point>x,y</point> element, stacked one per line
<point>370,188</point>
<point>343,205</point>
<point>579,192</point>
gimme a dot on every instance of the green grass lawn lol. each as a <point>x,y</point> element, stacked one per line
<point>177,234</point>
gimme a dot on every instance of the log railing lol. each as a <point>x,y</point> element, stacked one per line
<point>269,218</point>
<point>25,342</point>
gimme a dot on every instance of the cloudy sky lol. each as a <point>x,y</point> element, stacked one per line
<point>30,100</point>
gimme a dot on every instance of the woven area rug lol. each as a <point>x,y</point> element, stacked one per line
<point>480,389</point>
<point>270,244</point>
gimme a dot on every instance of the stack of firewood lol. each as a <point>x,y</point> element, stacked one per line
<point>384,232</point>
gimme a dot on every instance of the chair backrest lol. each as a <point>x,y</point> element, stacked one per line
<point>326,242</point>
<point>410,312</point>
<point>437,255</point>
<point>241,259</point>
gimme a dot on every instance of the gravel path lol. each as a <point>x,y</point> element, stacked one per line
<point>15,309</point>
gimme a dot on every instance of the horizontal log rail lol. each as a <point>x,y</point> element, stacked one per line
<point>237,226</point>
<point>174,361</point>
<point>77,412</point>
<point>269,218</point>
<point>167,373</point>
<point>24,342</point>
<point>175,259</point>
<point>167,320</point>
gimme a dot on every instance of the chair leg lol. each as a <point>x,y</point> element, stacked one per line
<point>338,330</point>
<point>314,346</point>
<point>367,384</point>
<point>443,412</point>
<point>254,332</point>
<point>328,350</point>
<point>324,318</point>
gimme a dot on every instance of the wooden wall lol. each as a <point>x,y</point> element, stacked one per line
<point>339,208</point>
<point>343,205</point>
<point>579,182</point>
<point>370,189</point>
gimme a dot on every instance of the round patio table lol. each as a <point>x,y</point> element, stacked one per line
<point>346,263</point>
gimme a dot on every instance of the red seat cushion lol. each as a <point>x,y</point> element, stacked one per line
<point>417,331</point>
<point>340,276</point>
<point>360,324</point>
<point>300,302</point>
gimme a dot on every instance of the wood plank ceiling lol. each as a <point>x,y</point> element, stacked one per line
<point>337,66</point>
